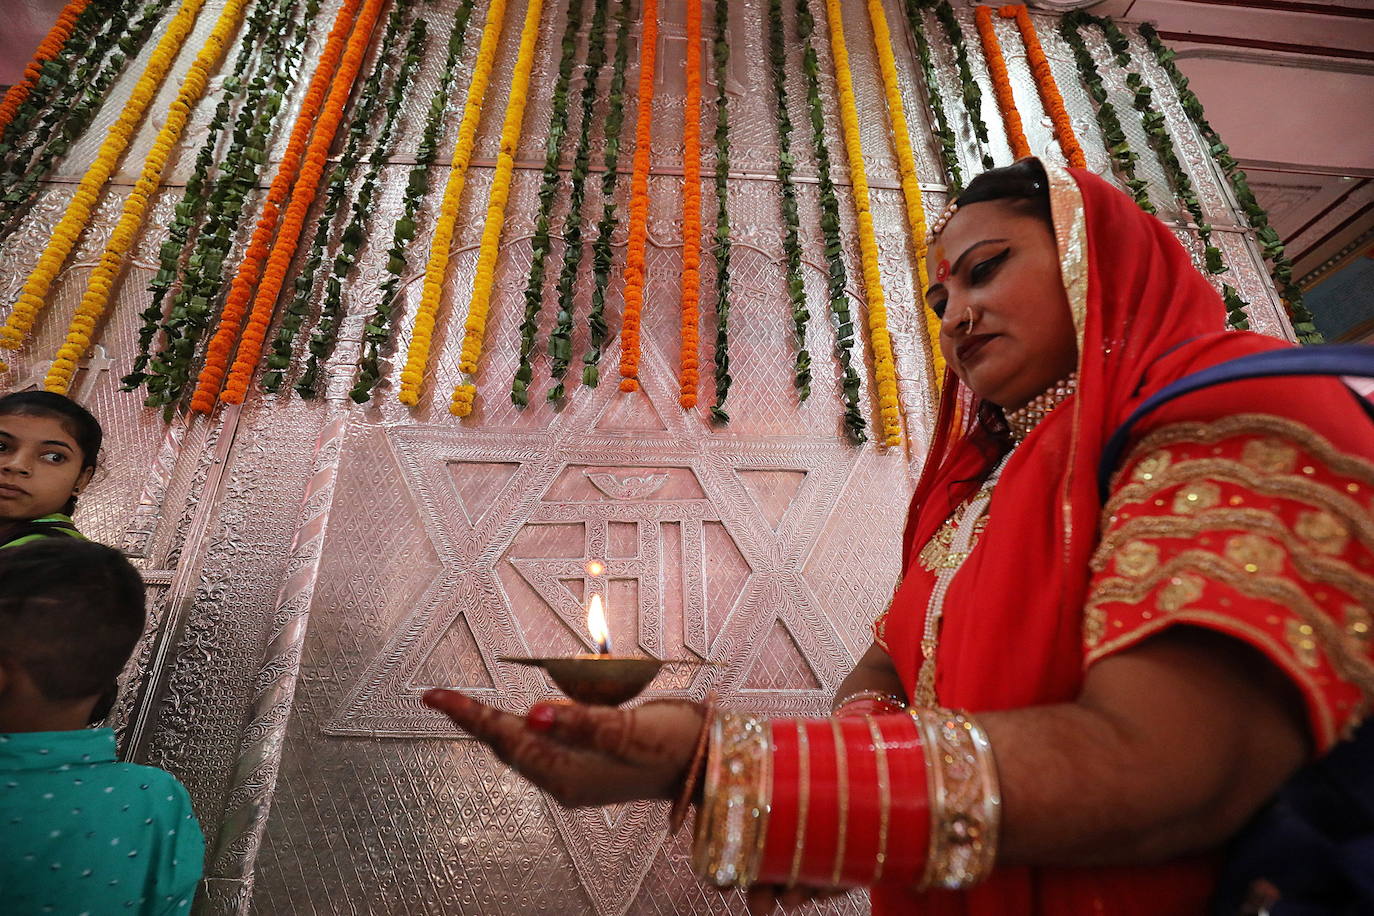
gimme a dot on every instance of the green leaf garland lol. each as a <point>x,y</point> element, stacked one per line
<point>1118,147</point>
<point>791,242</point>
<point>560,338</point>
<point>297,310</point>
<point>971,92</point>
<point>601,249</point>
<point>837,278</point>
<point>326,335</point>
<point>949,153</point>
<point>378,328</point>
<point>193,306</point>
<point>1272,245</point>
<point>722,236</point>
<point>548,191</point>
<point>189,210</point>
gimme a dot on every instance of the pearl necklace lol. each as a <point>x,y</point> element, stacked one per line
<point>1024,419</point>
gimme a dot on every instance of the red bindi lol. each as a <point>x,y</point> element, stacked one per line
<point>942,271</point>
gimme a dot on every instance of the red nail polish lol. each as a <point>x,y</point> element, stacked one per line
<point>540,718</point>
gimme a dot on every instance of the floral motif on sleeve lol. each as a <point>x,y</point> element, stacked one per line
<point>1254,526</point>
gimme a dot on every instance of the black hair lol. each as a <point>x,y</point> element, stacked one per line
<point>1022,183</point>
<point>79,423</point>
<point>70,614</point>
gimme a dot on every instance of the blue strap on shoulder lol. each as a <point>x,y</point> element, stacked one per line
<point>1327,359</point>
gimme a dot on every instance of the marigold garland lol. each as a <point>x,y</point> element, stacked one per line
<point>633,295</point>
<point>884,370</point>
<point>690,352</point>
<point>78,212</point>
<point>837,278</point>
<point>1001,83</point>
<point>237,302</point>
<point>377,330</point>
<point>1045,85</point>
<point>302,196</point>
<point>51,45</point>
<point>436,270</point>
<point>911,184</point>
<point>602,255</point>
<point>475,328</point>
<point>548,193</point>
<point>100,284</point>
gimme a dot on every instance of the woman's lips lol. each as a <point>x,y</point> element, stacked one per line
<point>969,349</point>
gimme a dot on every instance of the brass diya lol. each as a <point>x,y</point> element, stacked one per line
<point>600,679</point>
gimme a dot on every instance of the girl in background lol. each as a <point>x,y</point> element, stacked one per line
<point>48,450</point>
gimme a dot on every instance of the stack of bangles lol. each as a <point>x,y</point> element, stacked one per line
<point>907,797</point>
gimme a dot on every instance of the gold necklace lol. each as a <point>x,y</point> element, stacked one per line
<point>1024,419</point>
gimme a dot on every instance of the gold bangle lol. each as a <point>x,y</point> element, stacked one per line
<point>803,800</point>
<point>841,801</point>
<point>965,801</point>
<point>878,696</point>
<point>728,842</point>
<point>884,798</point>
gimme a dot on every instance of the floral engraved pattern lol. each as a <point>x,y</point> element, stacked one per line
<point>1136,559</point>
<point>1270,456</point>
<point>1196,498</point>
<point>1324,531</point>
<point>1255,554</point>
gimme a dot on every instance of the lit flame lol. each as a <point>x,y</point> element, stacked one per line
<point>595,567</point>
<point>596,624</point>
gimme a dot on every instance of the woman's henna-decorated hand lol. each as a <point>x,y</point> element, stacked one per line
<point>586,755</point>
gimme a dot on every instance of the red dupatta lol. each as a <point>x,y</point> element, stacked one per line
<point>1012,633</point>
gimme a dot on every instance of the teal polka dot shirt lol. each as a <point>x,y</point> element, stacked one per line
<point>82,833</point>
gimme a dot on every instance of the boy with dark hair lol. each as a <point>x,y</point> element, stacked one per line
<point>80,831</point>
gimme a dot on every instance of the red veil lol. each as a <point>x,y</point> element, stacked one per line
<point>1012,632</point>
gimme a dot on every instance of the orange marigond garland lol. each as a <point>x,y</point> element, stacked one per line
<point>691,213</point>
<point>49,48</point>
<point>302,196</point>
<point>1001,83</point>
<point>259,247</point>
<point>1045,84</point>
<point>639,204</point>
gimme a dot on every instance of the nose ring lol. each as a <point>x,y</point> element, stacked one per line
<point>970,319</point>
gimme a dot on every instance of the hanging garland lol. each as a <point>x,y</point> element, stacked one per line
<point>101,282</point>
<point>949,144</point>
<point>1001,83</point>
<point>883,369</point>
<point>436,270</point>
<point>78,213</point>
<point>236,304</point>
<point>633,294</point>
<point>791,239</point>
<point>601,248</point>
<point>294,316</point>
<point>73,14</point>
<point>302,196</point>
<point>548,191</point>
<point>690,351</point>
<point>560,338</point>
<point>190,208</point>
<point>836,276</point>
<point>1118,147</point>
<point>1268,238</point>
<point>475,328</point>
<point>911,185</point>
<point>377,330</point>
<point>722,236</point>
<point>971,92</point>
<point>1050,98</point>
<point>189,317</point>
<point>33,156</point>
<point>326,335</point>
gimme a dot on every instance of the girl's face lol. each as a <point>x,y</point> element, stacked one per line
<point>40,467</point>
<point>998,265</point>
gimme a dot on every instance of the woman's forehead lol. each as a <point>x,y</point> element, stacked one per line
<point>35,426</point>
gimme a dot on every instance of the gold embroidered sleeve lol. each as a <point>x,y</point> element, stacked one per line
<point>1256,527</point>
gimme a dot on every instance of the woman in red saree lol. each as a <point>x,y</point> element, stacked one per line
<point>1135,678</point>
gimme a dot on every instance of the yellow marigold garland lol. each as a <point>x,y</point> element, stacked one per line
<point>417,356</point>
<point>911,184</point>
<point>1001,83</point>
<point>78,212</point>
<point>1045,84</point>
<point>883,369</point>
<point>98,287</point>
<point>476,326</point>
